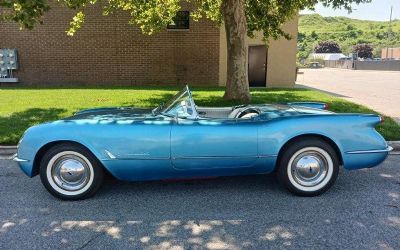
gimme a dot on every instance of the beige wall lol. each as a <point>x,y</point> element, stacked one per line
<point>281,61</point>
<point>390,53</point>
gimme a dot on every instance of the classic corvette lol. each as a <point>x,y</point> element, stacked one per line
<point>304,143</point>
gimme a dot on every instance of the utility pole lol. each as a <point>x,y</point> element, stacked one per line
<point>390,34</point>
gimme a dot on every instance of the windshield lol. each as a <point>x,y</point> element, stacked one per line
<point>181,105</point>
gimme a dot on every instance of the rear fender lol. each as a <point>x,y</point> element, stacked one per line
<point>350,132</point>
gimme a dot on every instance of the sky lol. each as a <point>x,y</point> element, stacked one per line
<point>377,10</point>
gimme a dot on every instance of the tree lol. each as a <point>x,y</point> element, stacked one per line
<point>328,47</point>
<point>364,51</point>
<point>314,35</point>
<point>240,17</point>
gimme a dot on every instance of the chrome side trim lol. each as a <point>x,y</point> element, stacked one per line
<point>186,157</point>
<point>110,155</point>
<point>138,158</point>
<point>15,158</point>
<point>388,149</point>
<point>222,157</point>
<point>266,156</point>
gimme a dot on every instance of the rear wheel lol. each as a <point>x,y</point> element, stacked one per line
<point>309,167</point>
<point>70,172</point>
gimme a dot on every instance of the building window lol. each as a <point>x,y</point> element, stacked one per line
<point>180,21</point>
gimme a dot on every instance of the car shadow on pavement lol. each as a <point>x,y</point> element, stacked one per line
<point>360,211</point>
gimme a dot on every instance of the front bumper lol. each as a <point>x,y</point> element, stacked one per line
<point>15,158</point>
<point>25,165</point>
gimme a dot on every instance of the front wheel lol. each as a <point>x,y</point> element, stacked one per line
<point>309,167</point>
<point>70,172</point>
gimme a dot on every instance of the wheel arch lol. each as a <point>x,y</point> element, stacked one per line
<point>42,151</point>
<point>308,136</point>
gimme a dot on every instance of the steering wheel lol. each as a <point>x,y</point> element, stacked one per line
<point>248,113</point>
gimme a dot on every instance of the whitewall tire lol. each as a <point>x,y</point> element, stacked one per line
<point>70,172</point>
<point>309,167</point>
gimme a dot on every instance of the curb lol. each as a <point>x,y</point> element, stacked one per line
<point>6,152</point>
<point>395,145</point>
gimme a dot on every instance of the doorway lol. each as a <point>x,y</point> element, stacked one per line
<point>257,65</point>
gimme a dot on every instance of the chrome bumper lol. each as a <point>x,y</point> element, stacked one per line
<point>387,150</point>
<point>15,158</point>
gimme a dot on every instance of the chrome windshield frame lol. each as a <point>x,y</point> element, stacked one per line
<point>185,91</point>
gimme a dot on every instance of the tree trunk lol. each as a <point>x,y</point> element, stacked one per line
<point>237,87</point>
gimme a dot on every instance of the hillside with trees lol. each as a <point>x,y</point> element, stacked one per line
<point>346,32</point>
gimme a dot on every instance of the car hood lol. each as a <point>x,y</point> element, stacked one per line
<point>112,113</point>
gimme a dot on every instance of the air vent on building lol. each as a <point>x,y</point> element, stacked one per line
<point>8,63</point>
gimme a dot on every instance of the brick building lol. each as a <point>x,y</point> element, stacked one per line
<point>109,51</point>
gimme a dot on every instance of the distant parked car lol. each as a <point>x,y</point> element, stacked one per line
<point>314,65</point>
<point>304,143</point>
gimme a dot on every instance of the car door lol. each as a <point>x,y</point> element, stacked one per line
<point>213,143</point>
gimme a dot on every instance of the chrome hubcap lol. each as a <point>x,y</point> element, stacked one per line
<point>70,173</point>
<point>309,168</point>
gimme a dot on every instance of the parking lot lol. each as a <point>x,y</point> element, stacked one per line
<point>379,90</point>
<point>361,211</point>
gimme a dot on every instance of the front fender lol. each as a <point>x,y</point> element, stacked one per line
<point>37,137</point>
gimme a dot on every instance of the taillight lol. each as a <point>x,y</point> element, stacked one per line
<point>326,106</point>
<point>381,119</point>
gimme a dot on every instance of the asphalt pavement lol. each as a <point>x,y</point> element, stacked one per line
<point>378,90</point>
<point>362,211</point>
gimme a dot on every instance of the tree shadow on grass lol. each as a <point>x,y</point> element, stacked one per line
<point>151,102</point>
<point>12,127</point>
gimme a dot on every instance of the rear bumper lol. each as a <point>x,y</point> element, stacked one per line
<point>386,150</point>
<point>365,158</point>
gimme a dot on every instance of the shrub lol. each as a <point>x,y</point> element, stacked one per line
<point>364,51</point>
<point>327,47</point>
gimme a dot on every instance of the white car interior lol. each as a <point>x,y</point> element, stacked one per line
<point>228,112</point>
<point>182,105</point>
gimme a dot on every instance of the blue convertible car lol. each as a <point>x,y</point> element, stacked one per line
<point>302,142</point>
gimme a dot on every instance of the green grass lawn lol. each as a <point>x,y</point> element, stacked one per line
<point>21,108</point>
